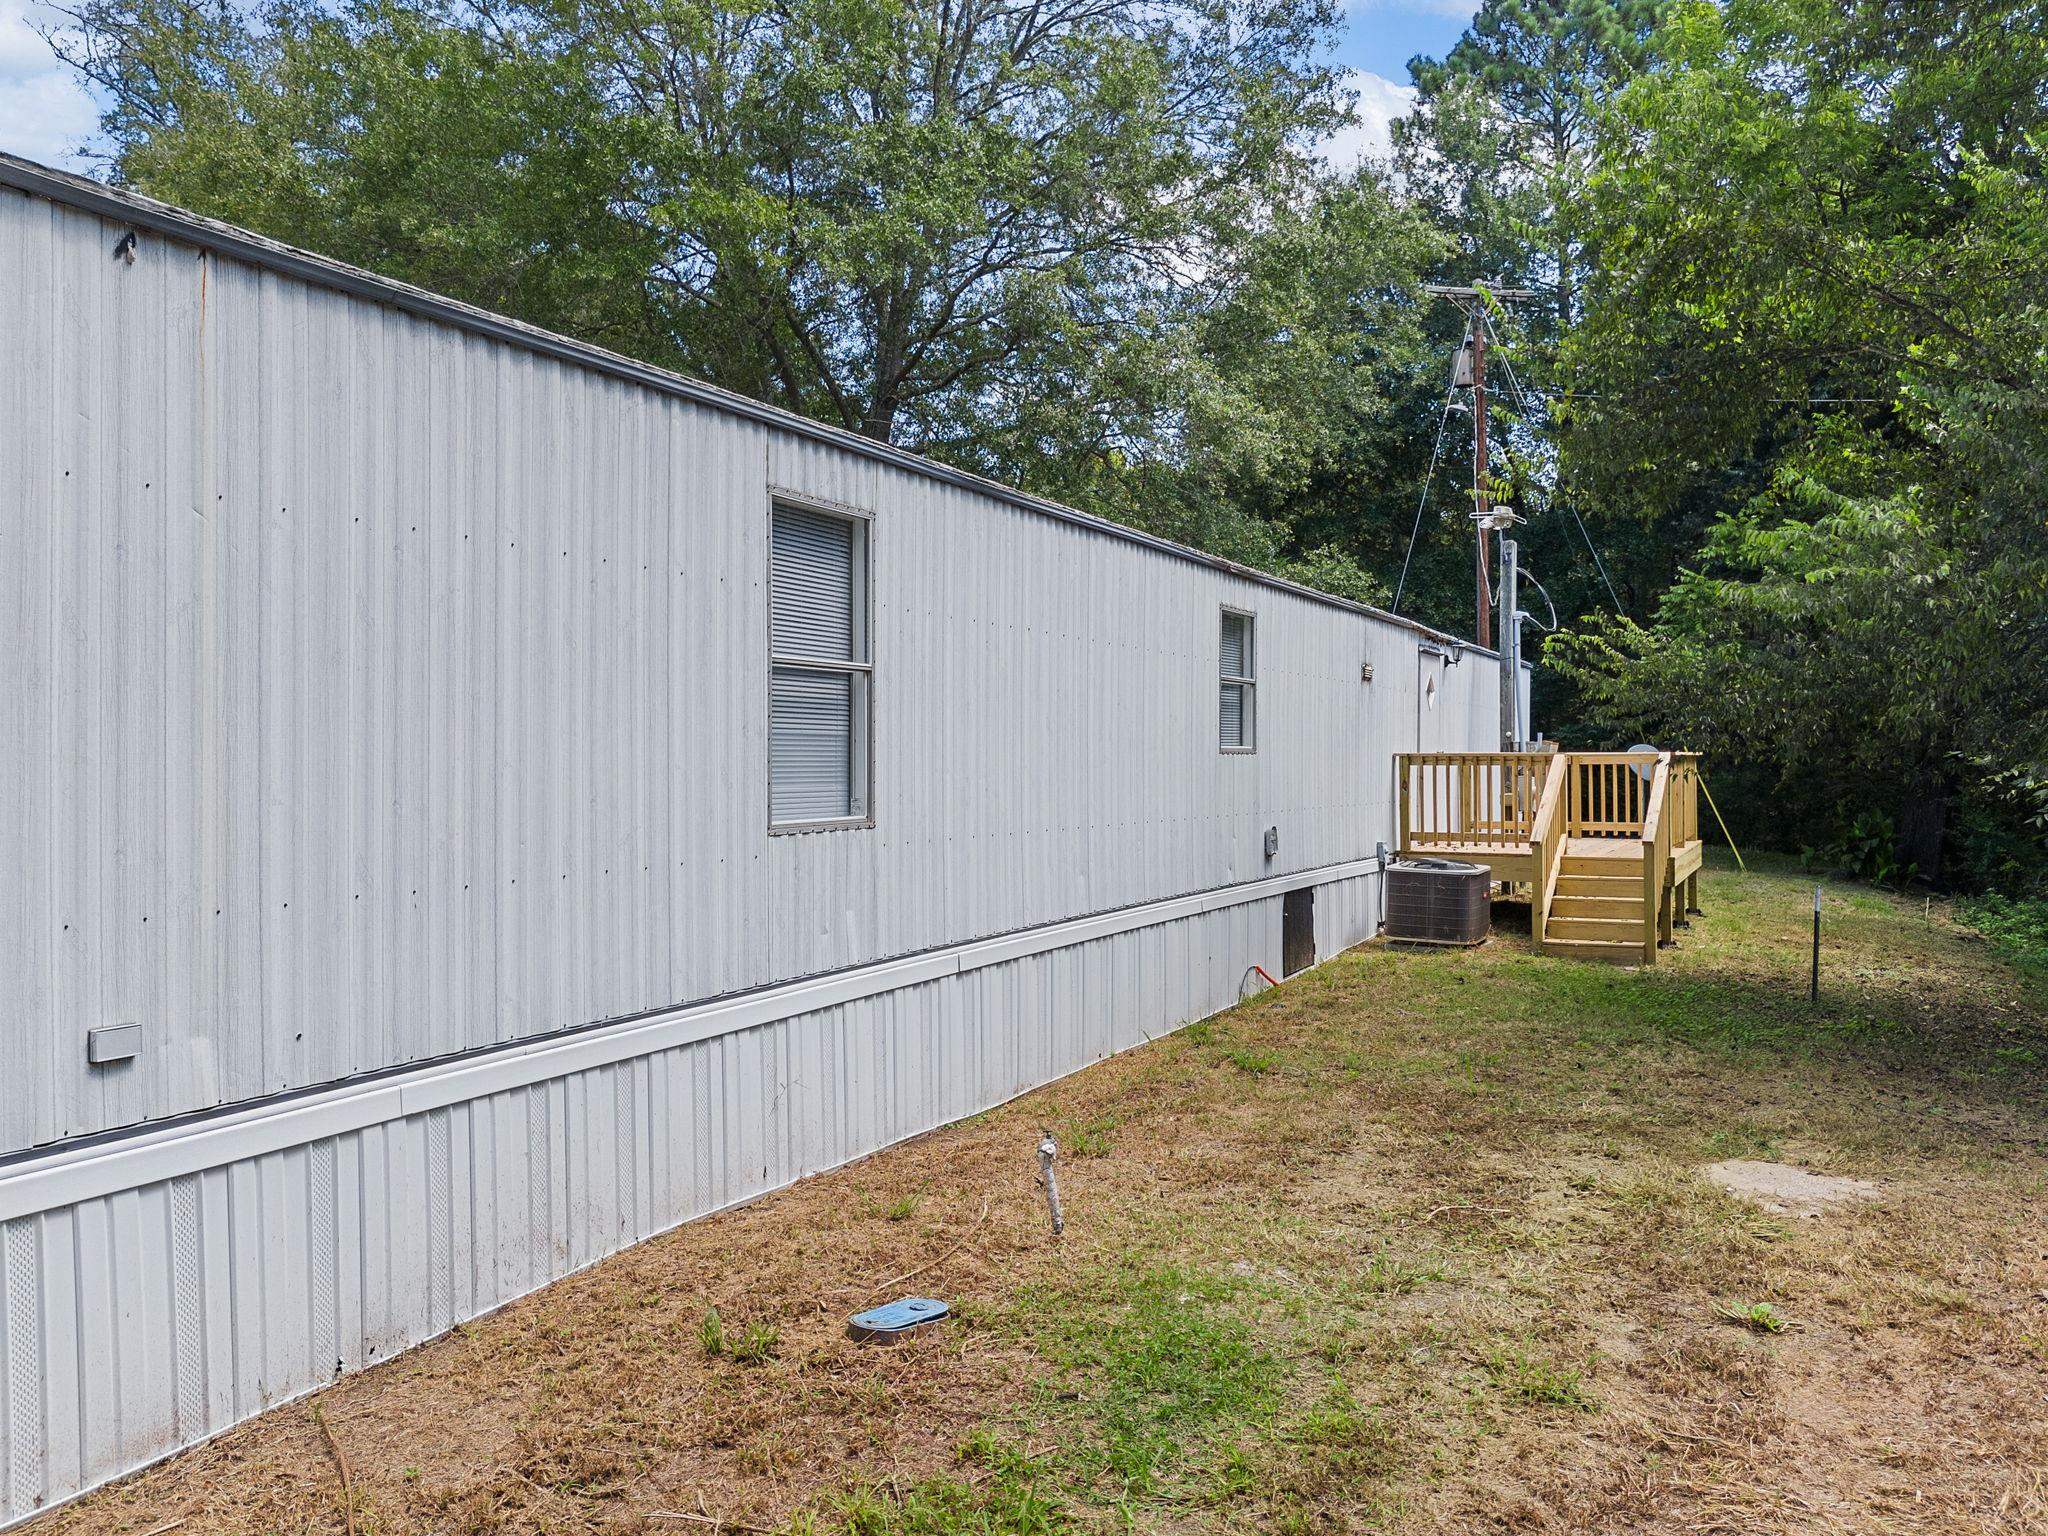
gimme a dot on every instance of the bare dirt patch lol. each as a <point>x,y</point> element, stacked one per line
<point>1786,1190</point>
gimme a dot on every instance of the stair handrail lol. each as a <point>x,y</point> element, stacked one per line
<point>1656,856</point>
<point>1546,843</point>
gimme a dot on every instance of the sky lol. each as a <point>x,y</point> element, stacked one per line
<point>1380,37</point>
<point>46,115</point>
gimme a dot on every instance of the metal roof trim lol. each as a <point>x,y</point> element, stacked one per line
<point>35,180</point>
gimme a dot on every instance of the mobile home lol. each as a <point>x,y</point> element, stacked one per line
<point>470,801</point>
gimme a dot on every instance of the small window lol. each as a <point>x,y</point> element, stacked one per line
<point>1239,719</point>
<point>820,677</point>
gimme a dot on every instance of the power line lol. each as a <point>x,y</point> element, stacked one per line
<point>1551,627</point>
<point>1595,553</point>
<point>1443,420</point>
<point>1598,564</point>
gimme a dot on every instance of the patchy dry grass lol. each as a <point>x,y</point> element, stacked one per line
<point>1416,1243</point>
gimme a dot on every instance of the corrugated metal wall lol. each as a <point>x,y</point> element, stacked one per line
<point>381,690</point>
<point>149,1318</point>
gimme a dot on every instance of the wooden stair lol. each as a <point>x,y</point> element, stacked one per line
<point>1607,843</point>
<point>1598,911</point>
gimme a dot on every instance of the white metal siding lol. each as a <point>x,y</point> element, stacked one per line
<point>380,690</point>
<point>147,1318</point>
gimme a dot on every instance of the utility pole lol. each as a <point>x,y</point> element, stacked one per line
<point>1473,301</point>
<point>1510,643</point>
<point>1483,630</point>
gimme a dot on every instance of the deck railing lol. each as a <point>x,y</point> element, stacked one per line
<point>1546,843</point>
<point>1607,794</point>
<point>1656,835</point>
<point>1489,805</point>
<point>1685,798</point>
<point>1480,799</point>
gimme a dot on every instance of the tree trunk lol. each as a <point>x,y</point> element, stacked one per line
<point>1923,823</point>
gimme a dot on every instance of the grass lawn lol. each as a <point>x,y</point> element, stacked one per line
<point>1417,1242</point>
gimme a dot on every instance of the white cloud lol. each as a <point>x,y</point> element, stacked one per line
<point>1369,136</point>
<point>45,113</point>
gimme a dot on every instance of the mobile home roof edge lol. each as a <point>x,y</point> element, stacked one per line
<point>116,203</point>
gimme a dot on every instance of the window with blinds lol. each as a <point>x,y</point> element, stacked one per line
<point>1239,684</point>
<point>820,677</point>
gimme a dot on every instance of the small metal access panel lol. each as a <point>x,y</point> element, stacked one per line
<point>1298,930</point>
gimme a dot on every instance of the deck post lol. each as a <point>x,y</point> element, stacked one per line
<point>1401,771</point>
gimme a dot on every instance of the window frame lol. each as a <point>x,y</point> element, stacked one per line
<point>861,750</point>
<point>1249,682</point>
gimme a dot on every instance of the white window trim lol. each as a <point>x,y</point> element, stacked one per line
<point>862,672</point>
<point>1249,682</point>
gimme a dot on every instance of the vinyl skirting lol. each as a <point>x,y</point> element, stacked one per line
<point>160,1286</point>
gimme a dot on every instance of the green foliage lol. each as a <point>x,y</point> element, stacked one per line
<point>1253,1062</point>
<point>757,1344</point>
<point>2018,927</point>
<point>1867,849</point>
<point>1006,1495</point>
<point>1171,1360</point>
<point>1499,151</point>
<point>711,1333</point>
<point>1503,139</point>
<point>1840,204</point>
<point>1534,1380</point>
<point>1756,1316</point>
<point>2002,829</point>
<point>1093,1137</point>
<point>1386,1275</point>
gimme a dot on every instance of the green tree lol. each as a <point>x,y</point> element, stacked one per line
<point>1825,235</point>
<point>1499,151</point>
<point>385,136</point>
<point>909,217</point>
<point>1504,133</point>
<point>1084,246</point>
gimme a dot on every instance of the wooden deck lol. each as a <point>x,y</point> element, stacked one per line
<point>1607,844</point>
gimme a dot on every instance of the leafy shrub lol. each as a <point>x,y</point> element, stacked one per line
<point>2018,927</point>
<point>1865,849</point>
<point>2001,833</point>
